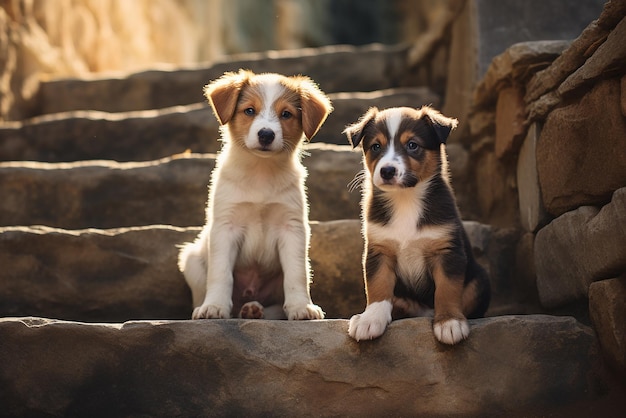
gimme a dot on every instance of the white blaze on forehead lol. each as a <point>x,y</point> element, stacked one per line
<point>270,89</point>
<point>393,117</point>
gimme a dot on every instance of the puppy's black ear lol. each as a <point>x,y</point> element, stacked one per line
<point>356,130</point>
<point>223,94</point>
<point>442,125</point>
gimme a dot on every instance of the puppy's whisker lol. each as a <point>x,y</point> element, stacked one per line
<point>357,181</point>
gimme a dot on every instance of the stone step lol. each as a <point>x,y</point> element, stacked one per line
<point>173,191</point>
<point>152,134</point>
<point>124,274</point>
<point>510,366</point>
<point>334,68</point>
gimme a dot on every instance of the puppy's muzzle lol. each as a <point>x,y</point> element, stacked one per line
<point>266,137</point>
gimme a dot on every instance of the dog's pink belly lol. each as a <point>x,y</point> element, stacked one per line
<point>250,284</point>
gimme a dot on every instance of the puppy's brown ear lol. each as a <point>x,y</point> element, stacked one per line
<point>223,94</point>
<point>356,130</point>
<point>442,125</point>
<point>315,106</point>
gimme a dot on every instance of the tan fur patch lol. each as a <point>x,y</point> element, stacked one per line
<point>291,126</point>
<point>379,286</point>
<point>371,158</point>
<point>448,294</point>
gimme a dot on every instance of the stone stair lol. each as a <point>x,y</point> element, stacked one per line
<point>98,191</point>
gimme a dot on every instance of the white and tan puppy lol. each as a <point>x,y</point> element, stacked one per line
<point>251,258</point>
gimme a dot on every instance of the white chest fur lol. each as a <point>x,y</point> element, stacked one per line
<point>410,241</point>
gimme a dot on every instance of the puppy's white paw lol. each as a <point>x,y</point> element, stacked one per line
<point>208,311</point>
<point>451,331</point>
<point>306,311</point>
<point>372,322</point>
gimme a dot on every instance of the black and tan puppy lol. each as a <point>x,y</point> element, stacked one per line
<point>417,255</point>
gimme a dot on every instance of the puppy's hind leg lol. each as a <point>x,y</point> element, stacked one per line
<point>193,266</point>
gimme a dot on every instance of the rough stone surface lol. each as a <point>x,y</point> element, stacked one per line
<point>532,212</point>
<point>609,58</point>
<point>514,66</point>
<point>510,117</point>
<point>130,273</point>
<point>578,248</point>
<point>94,135</point>
<point>152,134</point>
<point>106,194</point>
<point>623,95</point>
<point>581,151</point>
<point>237,367</point>
<point>496,194</point>
<point>607,308</point>
<point>386,68</point>
<point>581,48</point>
<point>336,253</point>
<point>486,28</point>
<point>93,275</point>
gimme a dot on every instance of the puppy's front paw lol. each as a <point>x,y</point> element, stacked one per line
<point>251,310</point>
<point>371,323</point>
<point>451,331</point>
<point>307,311</point>
<point>208,311</point>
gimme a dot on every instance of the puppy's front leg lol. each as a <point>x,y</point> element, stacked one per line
<point>294,258</point>
<point>380,280</point>
<point>222,254</point>
<point>449,324</point>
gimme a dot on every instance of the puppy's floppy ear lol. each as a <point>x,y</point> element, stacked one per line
<point>442,125</point>
<point>223,93</point>
<point>355,131</point>
<point>315,106</point>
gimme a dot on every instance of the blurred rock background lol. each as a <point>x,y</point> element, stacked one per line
<point>42,39</point>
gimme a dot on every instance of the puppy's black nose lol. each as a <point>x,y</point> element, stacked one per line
<point>387,172</point>
<point>266,136</point>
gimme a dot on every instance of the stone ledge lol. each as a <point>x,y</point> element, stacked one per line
<point>152,134</point>
<point>511,364</point>
<point>386,68</point>
<point>173,191</point>
<point>130,273</point>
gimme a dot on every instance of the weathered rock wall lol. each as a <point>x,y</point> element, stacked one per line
<point>548,133</point>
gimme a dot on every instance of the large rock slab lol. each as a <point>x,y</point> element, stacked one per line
<point>131,273</point>
<point>578,248</point>
<point>508,365</point>
<point>607,308</point>
<point>581,151</point>
<point>173,191</point>
<point>335,68</point>
<point>152,134</point>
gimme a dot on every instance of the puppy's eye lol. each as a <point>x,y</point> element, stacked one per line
<point>249,111</point>
<point>286,114</point>
<point>412,145</point>
<point>375,147</point>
